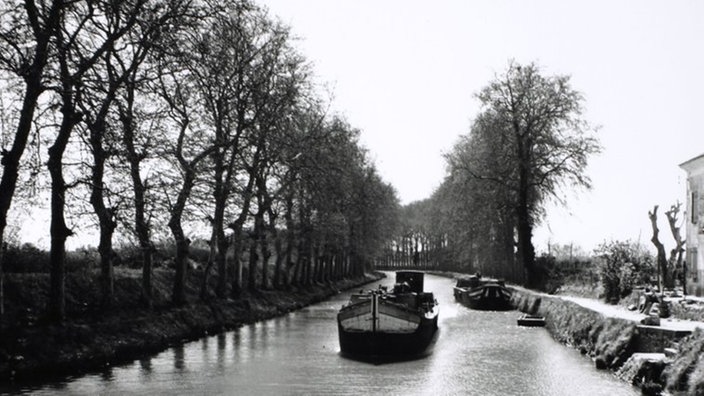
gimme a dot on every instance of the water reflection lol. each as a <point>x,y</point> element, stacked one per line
<point>477,352</point>
<point>179,363</point>
<point>145,368</point>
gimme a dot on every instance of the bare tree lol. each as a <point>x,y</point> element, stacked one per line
<point>676,254</point>
<point>548,145</point>
<point>23,22</point>
<point>99,92</point>
<point>665,280</point>
<point>85,33</point>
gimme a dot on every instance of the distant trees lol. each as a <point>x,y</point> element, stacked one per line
<point>198,116</point>
<point>528,141</point>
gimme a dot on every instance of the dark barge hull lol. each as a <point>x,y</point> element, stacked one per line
<point>531,321</point>
<point>382,325</point>
<point>486,298</point>
<point>389,345</point>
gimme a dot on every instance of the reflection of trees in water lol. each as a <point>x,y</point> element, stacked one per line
<point>222,347</point>
<point>145,369</point>
<point>106,374</point>
<point>179,362</point>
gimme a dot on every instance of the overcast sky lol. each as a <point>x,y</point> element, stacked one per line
<point>405,73</point>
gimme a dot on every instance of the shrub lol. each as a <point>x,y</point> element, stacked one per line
<point>82,259</point>
<point>556,272</point>
<point>25,259</point>
<point>622,266</point>
<point>548,273</point>
<point>30,259</point>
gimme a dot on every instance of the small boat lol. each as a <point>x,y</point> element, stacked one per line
<point>531,321</point>
<point>483,293</point>
<point>400,323</point>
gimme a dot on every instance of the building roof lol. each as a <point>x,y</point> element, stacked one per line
<point>694,163</point>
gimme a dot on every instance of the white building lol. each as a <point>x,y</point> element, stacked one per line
<point>695,224</point>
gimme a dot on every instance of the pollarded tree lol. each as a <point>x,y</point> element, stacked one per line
<point>546,145</point>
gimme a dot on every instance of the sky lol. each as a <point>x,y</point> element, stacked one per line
<point>406,72</point>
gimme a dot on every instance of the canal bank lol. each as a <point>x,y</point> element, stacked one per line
<point>93,338</point>
<point>477,352</point>
<point>653,358</point>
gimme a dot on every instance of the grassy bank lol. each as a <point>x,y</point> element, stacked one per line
<point>685,374</point>
<point>611,343</point>
<point>94,336</point>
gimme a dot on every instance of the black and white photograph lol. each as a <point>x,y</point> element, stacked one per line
<point>351,197</point>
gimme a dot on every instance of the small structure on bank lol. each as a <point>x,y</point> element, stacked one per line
<point>695,224</point>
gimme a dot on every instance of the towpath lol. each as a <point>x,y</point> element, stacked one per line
<point>618,311</point>
<point>612,311</point>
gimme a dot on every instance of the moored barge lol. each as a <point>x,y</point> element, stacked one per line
<point>483,293</point>
<point>399,323</point>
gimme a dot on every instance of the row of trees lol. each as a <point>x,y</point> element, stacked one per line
<point>527,143</point>
<point>186,115</point>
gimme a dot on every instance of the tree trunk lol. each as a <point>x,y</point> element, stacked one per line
<point>278,250</point>
<point>237,260</point>
<point>266,255</point>
<point>661,257</point>
<point>211,258</point>
<point>219,243</point>
<point>236,227</point>
<point>106,218</point>
<point>107,273</point>
<point>526,251</point>
<point>290,238</point>
<point>178,296</point>
<point>58,229</point>
<point>141,225</point>
<point>260,238</point>
<point>11,159</point>
<point>253,255</point>
<point>221,260</point>
<point>678,251</point>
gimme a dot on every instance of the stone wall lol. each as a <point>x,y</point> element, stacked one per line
<point>654,339</point>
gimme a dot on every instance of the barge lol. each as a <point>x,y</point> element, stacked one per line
<point>397,323</point>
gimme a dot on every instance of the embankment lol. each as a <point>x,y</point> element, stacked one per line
<point>621,344</point>
<point>93,337</point>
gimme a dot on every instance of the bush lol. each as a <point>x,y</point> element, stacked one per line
<point>25,259</point>
<point>30,259</point>
<point>548,274</point>
<point>556,272</point>
<point>623,265</point>
<point>82,259</point>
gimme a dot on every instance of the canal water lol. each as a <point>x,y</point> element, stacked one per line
<point>476,353</point>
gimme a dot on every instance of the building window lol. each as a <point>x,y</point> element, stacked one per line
<point>695,207</point>
<point>693,269</point>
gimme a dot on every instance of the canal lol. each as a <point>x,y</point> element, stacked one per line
<point>477,353</point>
